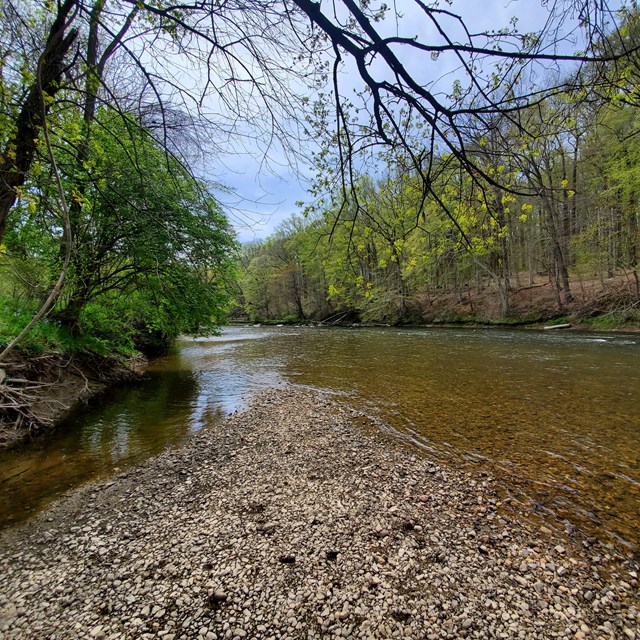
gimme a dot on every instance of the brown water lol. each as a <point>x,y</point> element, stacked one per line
<point>555,416</point>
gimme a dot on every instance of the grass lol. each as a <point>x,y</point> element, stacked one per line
<point>48,335</point>
<point>614,320</point>
<point>45,336</point>
<point>556,321</point>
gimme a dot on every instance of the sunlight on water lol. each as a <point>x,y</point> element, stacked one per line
<point>556,416</point>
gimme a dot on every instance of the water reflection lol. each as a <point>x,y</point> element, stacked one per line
<point>123,429</point>
<point>194,386</point>
<point>555,416</point>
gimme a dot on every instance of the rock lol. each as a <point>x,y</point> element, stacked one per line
<point>218,597</point>
<point>287,559</point>
<point>158,557</point>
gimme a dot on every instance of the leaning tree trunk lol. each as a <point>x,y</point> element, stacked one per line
<point>19,151</point>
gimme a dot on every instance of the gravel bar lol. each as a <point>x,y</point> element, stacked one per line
<point>290,520</point>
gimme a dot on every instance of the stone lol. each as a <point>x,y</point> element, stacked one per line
<point>195,561</point>
<point>218,597</point>
<point>285,559</point>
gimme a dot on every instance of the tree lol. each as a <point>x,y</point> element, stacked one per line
<point>256,59</point>
<point>611,154</point>
<point>34,90</point>
<point>96,52</point>
<point>496,73</point>
<point>92,56</point>
<point>143,228</point>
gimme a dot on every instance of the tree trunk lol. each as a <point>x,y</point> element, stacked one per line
<point>557,252</point>
<point>632,231</point>
<point>17,156</point>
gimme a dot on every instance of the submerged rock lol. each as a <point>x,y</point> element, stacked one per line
<point>244,543</point>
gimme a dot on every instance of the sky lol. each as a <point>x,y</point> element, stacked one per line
<point>265,193</point>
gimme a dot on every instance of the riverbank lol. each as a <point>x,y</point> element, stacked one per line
<point>37,392</point>
<point>289,521</point>
<point>602,305</point>
<point>596,305</point>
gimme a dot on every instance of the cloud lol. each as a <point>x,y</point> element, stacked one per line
<point>259,201</point>
<point>266,187</point>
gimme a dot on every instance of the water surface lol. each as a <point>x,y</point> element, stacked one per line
<point>556,416</point>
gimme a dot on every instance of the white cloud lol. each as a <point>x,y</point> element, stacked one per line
<point>266,190</point>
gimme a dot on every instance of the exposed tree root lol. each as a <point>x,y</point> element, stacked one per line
<point>37,392</point>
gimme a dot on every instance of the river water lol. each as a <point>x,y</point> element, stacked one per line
<point>555,416</point>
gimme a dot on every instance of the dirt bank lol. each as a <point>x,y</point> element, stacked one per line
<point>288,521</point>
<point>37,392</point>
<point>599,303</point>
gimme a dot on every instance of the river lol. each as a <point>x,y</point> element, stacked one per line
<point>555,416</point>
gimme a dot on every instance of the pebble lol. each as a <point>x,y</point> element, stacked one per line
<point>289,521</point>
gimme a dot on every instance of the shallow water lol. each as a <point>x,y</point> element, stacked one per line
<point>556,416</point>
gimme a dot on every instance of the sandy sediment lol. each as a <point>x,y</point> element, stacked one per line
<point>288,521</point>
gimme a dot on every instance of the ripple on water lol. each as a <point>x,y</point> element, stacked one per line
<point>536,409</point>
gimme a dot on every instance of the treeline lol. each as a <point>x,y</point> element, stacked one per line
<point>106,234</point>
<point>553,205</point>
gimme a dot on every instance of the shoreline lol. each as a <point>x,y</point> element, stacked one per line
<point>608,305</point>
<point>523,325</point>
<point>289,521</point>
<point>37,393</point>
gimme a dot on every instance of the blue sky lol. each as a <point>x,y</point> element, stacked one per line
<point>266,192</point>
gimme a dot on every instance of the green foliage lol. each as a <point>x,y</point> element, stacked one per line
<point>558,320</point>
<point>386,251</point>
<point>46,336</point>
<point>14,315</point>
<point>279,277</point>
<point>614,320</point>
<point>153,254</point>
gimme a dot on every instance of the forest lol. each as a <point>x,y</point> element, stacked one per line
<point>319,319</point>
<point>556,237</point>
<point>505,190</point>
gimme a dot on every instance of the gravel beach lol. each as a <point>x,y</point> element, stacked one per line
<point>291,520</point>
